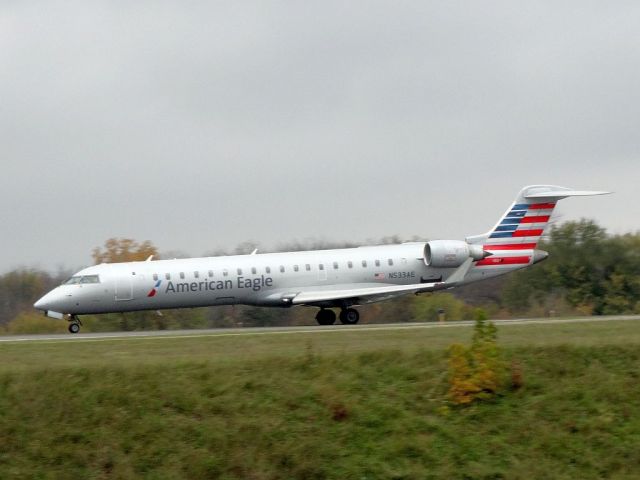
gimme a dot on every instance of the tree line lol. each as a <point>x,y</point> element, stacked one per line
<point>589,272</point>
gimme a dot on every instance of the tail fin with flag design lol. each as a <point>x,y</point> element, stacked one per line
<point>521,227</point>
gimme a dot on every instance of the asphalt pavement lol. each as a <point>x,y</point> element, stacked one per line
<point>228,332</point>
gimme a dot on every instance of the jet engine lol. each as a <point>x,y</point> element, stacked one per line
<point>451,253</point>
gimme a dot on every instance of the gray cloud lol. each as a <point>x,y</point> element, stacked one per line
<point>199,125</point>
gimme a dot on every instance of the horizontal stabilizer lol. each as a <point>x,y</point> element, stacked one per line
<point>560,194</point>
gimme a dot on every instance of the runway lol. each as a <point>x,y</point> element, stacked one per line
<point>229,332</point>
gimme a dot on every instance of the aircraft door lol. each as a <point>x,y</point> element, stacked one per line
<point>124,285</point>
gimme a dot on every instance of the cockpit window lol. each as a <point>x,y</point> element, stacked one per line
<point>90,279</point>
<point>75,280</point>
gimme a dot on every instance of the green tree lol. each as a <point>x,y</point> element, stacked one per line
<point>592,272</point>
<point>19,289</point>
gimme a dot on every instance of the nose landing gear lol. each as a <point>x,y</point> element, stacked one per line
<point>74,324</point>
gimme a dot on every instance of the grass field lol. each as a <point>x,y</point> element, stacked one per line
<point>357,404</point>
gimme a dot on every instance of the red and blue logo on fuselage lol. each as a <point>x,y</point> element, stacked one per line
<point>154,290</point>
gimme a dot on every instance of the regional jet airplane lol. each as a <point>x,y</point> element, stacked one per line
<point>326,279</point>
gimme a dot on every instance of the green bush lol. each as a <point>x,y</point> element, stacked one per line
<point>426,307</point>
<point>35,323</point>
<point>476,372</point>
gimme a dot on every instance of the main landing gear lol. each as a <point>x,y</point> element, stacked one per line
<point>74,324</point>
<point>348,316</point>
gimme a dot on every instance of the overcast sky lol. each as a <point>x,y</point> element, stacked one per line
<point>200,125</point>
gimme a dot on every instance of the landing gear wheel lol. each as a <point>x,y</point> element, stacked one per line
<point>349,316</point>
<point>326,317</point>
<point>74,324</point>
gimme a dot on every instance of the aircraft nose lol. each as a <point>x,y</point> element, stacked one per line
<point>46,302</point>
<point>41,304</point>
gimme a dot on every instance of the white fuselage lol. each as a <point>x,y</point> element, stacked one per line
<point>260,279</point>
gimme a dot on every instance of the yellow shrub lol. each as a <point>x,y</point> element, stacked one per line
<point>475,372</point>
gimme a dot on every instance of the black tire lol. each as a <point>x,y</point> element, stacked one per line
<point>326,317</point>
<point>349,316</point>
<point>74,327</point>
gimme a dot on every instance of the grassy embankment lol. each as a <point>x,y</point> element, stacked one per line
<point>368,404</point>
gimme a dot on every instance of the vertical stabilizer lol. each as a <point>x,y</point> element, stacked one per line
<point>522,225</point>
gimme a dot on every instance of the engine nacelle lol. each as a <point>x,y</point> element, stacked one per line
<point>450,253</point>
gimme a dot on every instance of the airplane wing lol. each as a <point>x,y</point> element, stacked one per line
<point>372,294</point>
<point>363,295</point>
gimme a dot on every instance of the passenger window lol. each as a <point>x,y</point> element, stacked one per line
<point>167,276</point>
<point>182,275</point>
<point>253,270</point>
<point>390,261</point>
<point>225,273</point>
<point>295,268</point>
<point>350,264</point>
<point>308,267</point>
<point>377,263</point>
<point>239,271</point>
<point>321,266</point>
<point>364,263</point>
<point>267,269</point>
<point>196,274</point>
<point>211,273</point>
<point>155,277</point>
<point>335,265</point>
<point>281,269</point>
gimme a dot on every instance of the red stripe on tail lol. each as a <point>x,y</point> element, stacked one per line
<point>528,233</point>
<point>511,246</point>
<point>493,261</point>
<point>542,206</point>
<point>538,219</point>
